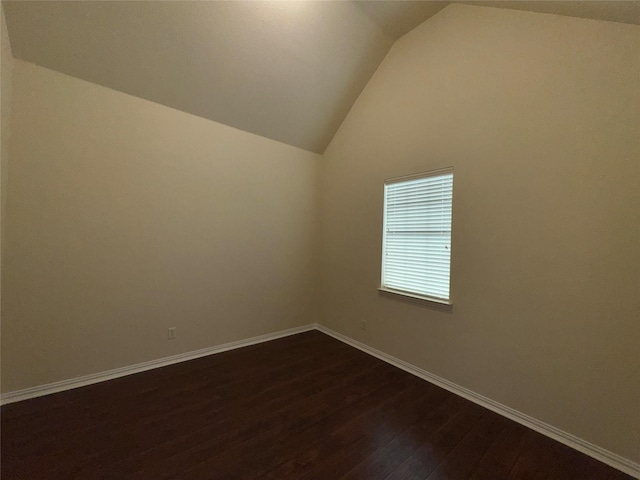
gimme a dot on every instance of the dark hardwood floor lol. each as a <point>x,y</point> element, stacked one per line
<point>302,407</point>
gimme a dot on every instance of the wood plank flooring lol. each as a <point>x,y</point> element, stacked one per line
<point>302,407</point>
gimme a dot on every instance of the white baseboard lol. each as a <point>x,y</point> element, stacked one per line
<point>614,460</point>
<point>69,384</point>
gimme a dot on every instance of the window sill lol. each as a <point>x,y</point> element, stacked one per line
<point>417,298</point>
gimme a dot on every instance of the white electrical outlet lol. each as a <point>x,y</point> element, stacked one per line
<point>363,325</point>
<point>172,333</point>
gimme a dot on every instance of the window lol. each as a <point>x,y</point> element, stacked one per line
<point>416,242</point>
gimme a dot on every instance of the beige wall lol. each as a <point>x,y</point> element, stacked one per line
<point>126,217</point>
<point>6,74</point>
<point>539,116</point>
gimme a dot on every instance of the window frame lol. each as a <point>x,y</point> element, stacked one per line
<point>406,293</point>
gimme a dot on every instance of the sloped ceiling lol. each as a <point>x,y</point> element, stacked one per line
<point>286,70</point>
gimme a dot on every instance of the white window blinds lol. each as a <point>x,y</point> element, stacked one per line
<point>416,250</point>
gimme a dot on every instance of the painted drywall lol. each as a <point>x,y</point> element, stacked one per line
<point>6,73</point>
<point>539,116</point>
<point>126,217</point>
<point>289,71</point>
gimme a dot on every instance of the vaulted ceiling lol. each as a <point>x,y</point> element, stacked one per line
<point>286,70</point>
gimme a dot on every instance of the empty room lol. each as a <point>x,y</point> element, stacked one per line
<point>320,240</point>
